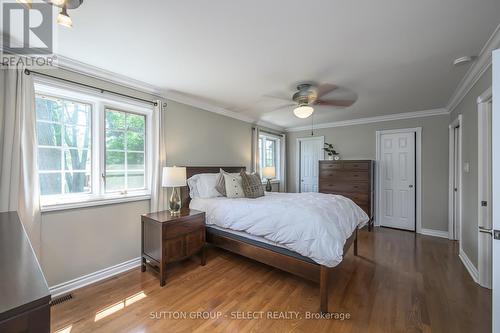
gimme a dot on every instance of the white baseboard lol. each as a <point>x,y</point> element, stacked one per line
<point>66,287</point>
<point>468,264</point>
<point>435,233</point>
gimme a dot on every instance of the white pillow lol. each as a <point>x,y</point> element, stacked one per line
<point>205,185</point>
<point>193,187</point>
<point>233,186</point>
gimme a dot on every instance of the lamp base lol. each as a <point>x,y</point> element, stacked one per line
<point>269,187</point>
<point>174,203</point>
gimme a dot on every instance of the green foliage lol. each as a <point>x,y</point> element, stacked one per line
<point>329,149</point>
<point>63,125</point>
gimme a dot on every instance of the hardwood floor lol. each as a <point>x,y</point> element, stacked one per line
<point>401,282</point>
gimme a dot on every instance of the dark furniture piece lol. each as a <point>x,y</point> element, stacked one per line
<point>352,179</point>
<point>168,238</point>
<point>24,295</point>
<point>274,256</point>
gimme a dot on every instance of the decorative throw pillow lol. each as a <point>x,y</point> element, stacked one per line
<point>220,185</point>
<point>233,186</point>
<point>252,185</point>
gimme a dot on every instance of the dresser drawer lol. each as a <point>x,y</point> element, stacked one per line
<point>354,165</point>
<point>342,175</point>
<point>366,209</point>
<point>344,187</point>
<point>328,165</point>
<point>175,229</point>
<point>358,197</point>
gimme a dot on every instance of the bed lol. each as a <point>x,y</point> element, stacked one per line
<point>271,230</point>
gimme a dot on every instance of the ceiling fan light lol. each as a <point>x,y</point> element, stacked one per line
<point>303,111</point>
<point>26,3</point>
<point>58,3</point>
<point>64,19</point>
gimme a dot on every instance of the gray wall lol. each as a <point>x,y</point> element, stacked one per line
<point>358,142</point>
<point>468,109</point>
<point>77,242</point>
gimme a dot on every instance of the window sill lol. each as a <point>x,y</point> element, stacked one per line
<point>108,200</point>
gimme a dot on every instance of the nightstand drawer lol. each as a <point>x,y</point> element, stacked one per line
<point>174,248</point>
<point>194,241</point>
<point>184,246</point>
<point>172,230</point>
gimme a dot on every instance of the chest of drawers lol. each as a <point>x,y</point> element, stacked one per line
<point>352,179</point>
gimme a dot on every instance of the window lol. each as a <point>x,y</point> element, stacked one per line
<point>269,152</point>
<point>90,148</point>
<point>125,151</point>
<point>64,145</point>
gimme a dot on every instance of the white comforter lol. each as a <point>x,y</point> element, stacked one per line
<point>315,225</point>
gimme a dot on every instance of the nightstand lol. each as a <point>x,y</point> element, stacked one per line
<point>168,238</point>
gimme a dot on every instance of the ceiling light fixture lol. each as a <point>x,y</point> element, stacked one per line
<point>64,19</point>
<point>58,3</point>
<point>303,111</point>
<point>25,3</point>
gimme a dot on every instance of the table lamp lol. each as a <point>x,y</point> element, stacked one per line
<point>269,173</point>
<point>174,177</point>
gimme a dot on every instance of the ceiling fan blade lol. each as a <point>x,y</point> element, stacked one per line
<point>281,98</point>
<point>283,106</point>
<point>326,88</point>
<point>341,103</point>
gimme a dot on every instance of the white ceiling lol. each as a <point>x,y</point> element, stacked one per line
<point>395,54</point>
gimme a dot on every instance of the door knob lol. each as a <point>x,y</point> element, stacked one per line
<point>411,186</point>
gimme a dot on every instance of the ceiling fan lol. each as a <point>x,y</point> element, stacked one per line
<point>63,17</point>
<point>311,94</point>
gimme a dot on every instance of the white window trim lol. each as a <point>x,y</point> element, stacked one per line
<point>277,156</point>
<point>99,104</point>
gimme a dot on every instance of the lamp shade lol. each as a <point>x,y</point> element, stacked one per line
<point>173,177</point>
<point>269,172</point>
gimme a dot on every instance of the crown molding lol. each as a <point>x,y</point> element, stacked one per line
<point>108,76</point>
<point>140,86</point>
<point>480,65</point>
<point>377,119</point>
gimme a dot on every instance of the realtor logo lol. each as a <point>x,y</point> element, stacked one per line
<point>27,31</point>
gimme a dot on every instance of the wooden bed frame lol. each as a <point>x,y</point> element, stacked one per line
<point>305,269</point>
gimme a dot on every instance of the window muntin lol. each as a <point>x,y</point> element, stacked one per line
<point>125,153</point>
<point>64,137</point>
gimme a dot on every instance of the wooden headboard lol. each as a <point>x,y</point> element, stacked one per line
<point>191,171</point>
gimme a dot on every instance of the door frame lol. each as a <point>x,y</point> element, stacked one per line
<point>455,231</point>
<point>484,256</point>
<point>418,173</point>
<point>297,156</point>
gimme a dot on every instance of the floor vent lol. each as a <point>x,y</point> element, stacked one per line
<point>59,300</point>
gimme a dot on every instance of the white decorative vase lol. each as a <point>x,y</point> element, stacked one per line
<point>330,157</point>
<point>336,158</point>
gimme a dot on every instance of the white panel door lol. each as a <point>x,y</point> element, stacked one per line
<point>311,151</point>
<point>495,119</point>
<point>397,180</point>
